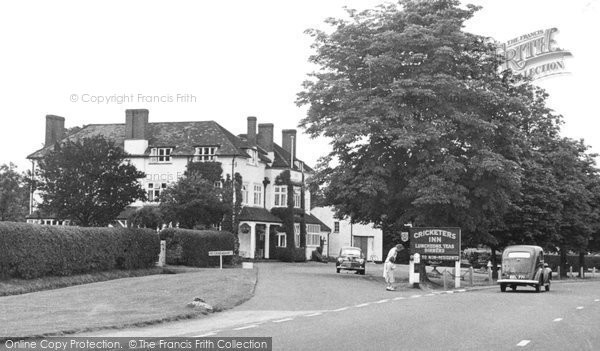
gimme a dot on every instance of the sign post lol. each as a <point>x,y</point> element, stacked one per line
<point>437,244</point>
<point>220,254</point>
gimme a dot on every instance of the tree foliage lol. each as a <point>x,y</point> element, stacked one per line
<point>426,130</point>
<point>87,181</point>
<point>14,194</point>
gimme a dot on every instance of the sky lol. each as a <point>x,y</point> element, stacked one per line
<point>224,61</point>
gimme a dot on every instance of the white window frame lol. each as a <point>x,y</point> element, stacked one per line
<point>280,196</point>
<point>297,199</point>
<point>253,160</point>
<point>245,193</point>
<point>281,240</point>
<point>154,190</point>
<point>297,234</point>
<point>258,194</point>
<point>205,154</point>
<point>336,227</point>
<point>160,154</point>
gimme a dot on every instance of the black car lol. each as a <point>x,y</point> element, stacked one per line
<point>351,259</point>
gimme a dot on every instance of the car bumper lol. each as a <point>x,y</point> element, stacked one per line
<point>517,281</point>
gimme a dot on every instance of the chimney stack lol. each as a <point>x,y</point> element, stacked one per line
<point>288,141</point>
<point>136,123</point>
<point>251,135</point>
<point>55,129</point>
<point>265,136</point>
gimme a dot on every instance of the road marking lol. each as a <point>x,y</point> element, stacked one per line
<point>523,343</point>
<point>283,320</point>
<point>246,327</point>
<point>430,295</point>
<point>340,309</point>
<point>399,298</point>
<point>557,320</point>
<point>314,314</point>
<point>412,297</point>
<point>383,301</point>
<point>461,290</point>
<point>597,300</point>
<point>449,292</point>
<point>579,307</point>
<point>207,334</point>
<point>362,305</point>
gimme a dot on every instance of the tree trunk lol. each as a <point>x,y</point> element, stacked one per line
<point>494,261</point>
<point>563,262</point>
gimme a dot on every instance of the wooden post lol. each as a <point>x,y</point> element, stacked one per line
<point>558,272</point>
<point>162,257</point>
<point>457,274</point>
<point>220,261</point>
<point>570,271</point>
<point>581,272</point>
<point>444,279</point>
<point>471,275</point>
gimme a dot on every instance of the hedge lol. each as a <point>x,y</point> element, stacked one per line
<point>285,254</point>
<point>190,247</point>
<point>33,250</point>
<point>572,260</point>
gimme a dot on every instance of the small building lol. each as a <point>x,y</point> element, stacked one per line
<point>345,233</point>
<point>162,150</point>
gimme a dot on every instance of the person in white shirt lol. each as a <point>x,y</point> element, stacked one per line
<point>388,267</point>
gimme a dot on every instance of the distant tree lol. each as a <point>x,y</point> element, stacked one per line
<point>14,194</point>
<point>146,217</point>
<point>87,181</point>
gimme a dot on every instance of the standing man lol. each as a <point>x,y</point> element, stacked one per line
<point>388,267</point>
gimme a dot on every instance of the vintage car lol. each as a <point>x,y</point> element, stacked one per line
<point>524,265</point>
<point>352,259</point>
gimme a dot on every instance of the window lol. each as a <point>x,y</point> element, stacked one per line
<point>205,153</point>
<point>257,194</point>
<point>297,234</point>
<point>280,196</point>
<point>281,242</point>
<point>245,193</point>
<point>253,160</point>
<point>313,239</point>
<point>519,254</point>
<point>218,184</point>
<point>336,227</point>
<point>154,190</point>
<point>297,193</point>
<point>160,154</point>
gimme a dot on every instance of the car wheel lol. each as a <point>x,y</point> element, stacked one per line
<point>537,287</point>
<point>338,270</point>
<point>363,272</point>
<point>503,287</point>
<point>513,287</point>
<point>547,287</point>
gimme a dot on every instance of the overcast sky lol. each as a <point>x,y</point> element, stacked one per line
<point>237,58</point>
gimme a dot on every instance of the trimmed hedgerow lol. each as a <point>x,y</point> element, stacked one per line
<point>190,247</point>
<point>32,250</point>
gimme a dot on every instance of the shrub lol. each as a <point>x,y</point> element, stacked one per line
<point>32,251</point>
<point>290,255</point>
<point>572,260</point>
<point>191,247</point>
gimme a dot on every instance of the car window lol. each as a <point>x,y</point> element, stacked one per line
<point>519,254</point>
<point>353,252</point>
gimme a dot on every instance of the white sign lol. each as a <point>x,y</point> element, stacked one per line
<point>220,253</point>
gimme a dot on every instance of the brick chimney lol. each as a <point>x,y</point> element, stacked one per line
<point>251,135</point>
<point>288,141</point>
<point>55,129</point>
<point>265,136</point>
<point>136,124</point>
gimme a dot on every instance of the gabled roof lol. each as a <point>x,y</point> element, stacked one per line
<point>258,214</point>
<point>282,159</point>
<point>182,136</point>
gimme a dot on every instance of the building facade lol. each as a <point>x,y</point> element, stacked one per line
<point>345,233</point>
<point>163,150</point>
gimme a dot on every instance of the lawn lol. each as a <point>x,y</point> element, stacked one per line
<point>122,302</point>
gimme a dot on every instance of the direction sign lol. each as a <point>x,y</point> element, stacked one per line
<point>220,253</point>
<point>438,244</point>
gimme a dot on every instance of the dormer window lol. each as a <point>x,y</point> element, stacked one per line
<point>253,160</point>
<point>205,154</point>
<point>160,154</point>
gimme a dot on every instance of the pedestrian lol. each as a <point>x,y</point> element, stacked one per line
<point>388,267</point>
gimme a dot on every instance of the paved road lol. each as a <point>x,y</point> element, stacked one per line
<point>308,306</point>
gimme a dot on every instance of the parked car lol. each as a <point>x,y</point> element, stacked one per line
<point>351,259</point>
<point>524,265</point>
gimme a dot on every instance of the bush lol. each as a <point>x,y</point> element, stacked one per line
<point>190,247</point>
<point>32,250</point>
<point>290,255</point>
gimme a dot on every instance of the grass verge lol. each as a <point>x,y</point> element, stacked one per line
<point>122,302</point>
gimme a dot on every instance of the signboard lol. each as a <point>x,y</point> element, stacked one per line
<point>435,244</point>
<point>220,253</point>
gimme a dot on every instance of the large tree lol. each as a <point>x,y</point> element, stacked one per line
<point>194,201</point>
<point>87,181</point>
<point>423,127</point>
<point>14,194</point>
